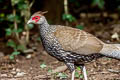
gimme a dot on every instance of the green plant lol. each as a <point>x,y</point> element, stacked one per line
<point>49,70</point>
<point>80,27</point>
<point>81,76</point>
<point>77,75</point>
<point>17,27</point>
<point>16,48</point>
<point>43,65</point>
<point>62,75</point>
<point>99,3</point>
<point>38,39</point>
<point>68,17</point>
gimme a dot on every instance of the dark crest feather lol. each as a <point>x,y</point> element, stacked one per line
<point>41,13</point>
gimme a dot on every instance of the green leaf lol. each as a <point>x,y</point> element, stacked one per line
<point>81,76</point>
<point>49,70</point>
<point>62,75</point>
<point>15,53</point>
<point>14,2</point>
<point>2,15</point>
<point>77,75</point>
<point>38,39</point>
<point>10,17</point>
<point>21,47</point>
<point>17,30</point>
<point>78,68</point>
<point>43,65</point>
<point>68,17</point>
<point>17,18</point>
<point>25,6</point>
<point>11,43</point>
<point>80,27</point>
<point>22,6</point>
<point>64,17</point>
<point>11,57</point>
<point>99,3</point>
<point>8,31</point>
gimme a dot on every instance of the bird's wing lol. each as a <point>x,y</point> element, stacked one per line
<point>77,41</point>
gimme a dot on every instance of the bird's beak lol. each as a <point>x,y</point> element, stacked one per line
<point>29,22</point>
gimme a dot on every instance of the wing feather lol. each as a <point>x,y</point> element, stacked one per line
<point>77,41</point>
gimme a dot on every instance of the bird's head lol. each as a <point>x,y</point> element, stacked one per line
<point>37,18</point>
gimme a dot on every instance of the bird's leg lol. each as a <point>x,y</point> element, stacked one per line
<point>84,72</point>
<point>71,68</point>
<point>73,75</point>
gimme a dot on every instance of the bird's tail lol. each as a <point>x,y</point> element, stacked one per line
<point>111,50</point>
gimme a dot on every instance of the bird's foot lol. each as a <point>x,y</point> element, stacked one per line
<point>84,73</point>
<point>73,75</point>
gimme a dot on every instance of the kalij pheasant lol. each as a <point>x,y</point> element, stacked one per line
<point>72,46</point>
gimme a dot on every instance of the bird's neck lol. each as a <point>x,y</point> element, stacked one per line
<point>50,42</point>
<point>44,27</point>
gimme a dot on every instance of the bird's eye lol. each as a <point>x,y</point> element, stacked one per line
<point>36,17</point>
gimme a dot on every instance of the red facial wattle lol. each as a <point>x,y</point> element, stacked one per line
<point>36,18</point>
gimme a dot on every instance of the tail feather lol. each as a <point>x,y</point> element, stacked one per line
<point>111,50</point>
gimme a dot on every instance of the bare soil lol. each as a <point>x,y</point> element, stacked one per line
<point>101,69</point>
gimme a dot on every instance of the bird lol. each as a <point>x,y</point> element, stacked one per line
<point>71,45</point>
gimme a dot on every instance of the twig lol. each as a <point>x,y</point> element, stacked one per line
<point>66,8</point>
<point>42,77</point>
<point>26,18</point>
<point>31,4</point>
<point>113,71</point>
<point>15,25</point>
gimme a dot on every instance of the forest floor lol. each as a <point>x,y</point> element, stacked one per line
<point>40,63</point>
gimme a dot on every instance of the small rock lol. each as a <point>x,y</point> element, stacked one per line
<point>29,56</point>
<point>24,33</point>
<point>10,75</point>
<point>1,54</point>
<point>12,79</point>
<point>20,74</point>
<point>34,48</point>
<point>18,61</point>
<point>18,70</point>
<point>13,72</point>
<point>31,68</point>
<point>28,51</point>
<point>3,75</point>
<point>115,36</point>
<point>13,69</point>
